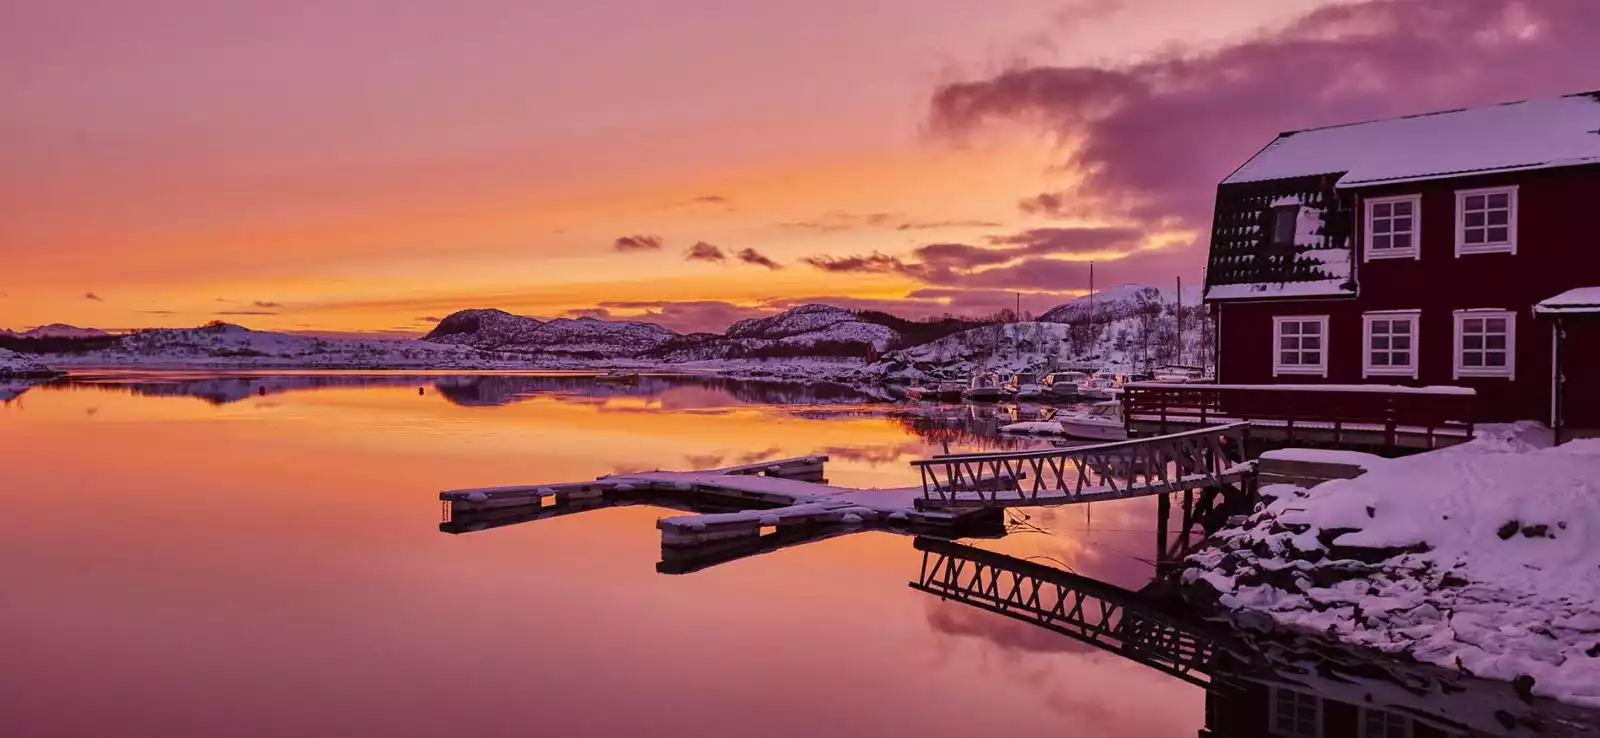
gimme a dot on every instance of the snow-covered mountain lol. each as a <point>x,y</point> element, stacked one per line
<point>56,330</point>
<point>225,344</point>
<point>1117,302</point>
<point>587,338</point>
<point>17,366</point>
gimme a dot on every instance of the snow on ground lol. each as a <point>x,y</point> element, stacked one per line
<point>232,346</point>
<point>15,365</point>
<point>1483,557</point>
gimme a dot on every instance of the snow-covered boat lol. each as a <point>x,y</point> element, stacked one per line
<point>1063,385</point>
<point>941,392</point>
<point>1097,388</point>
<point>1101,422</point>
<point>1025,386</point>
<point>984,388</point>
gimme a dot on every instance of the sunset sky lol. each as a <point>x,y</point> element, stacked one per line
<point>372,165</point>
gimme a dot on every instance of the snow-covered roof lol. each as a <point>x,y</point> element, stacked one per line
<point>1532,134</point>
<point>1580,300</point>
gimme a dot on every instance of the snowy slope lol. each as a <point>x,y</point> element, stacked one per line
<point>1117,302</point>
<point>15,366</point>
<point>805,331</point>
<point>224,344</point>
<point>574,337</point>
<point>1480,557</point>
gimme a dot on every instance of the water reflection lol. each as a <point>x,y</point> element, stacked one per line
<point>1259,683</point>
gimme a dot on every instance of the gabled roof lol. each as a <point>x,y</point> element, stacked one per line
<point>1533,134</point>
<point>1581,300</point>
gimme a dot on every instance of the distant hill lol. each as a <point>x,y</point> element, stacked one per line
<point>580,338</point>
<point>56,330</point>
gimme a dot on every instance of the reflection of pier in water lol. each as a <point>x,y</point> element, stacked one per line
<point>1259,684</point>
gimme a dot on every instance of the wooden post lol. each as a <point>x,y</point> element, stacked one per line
<point>1163,512</point>
<point>1559,381</point>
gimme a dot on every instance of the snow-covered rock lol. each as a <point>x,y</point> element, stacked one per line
<point>60,330</point>
<point>574,337</point>
<point>1483,557</point>
<point>17,366</point>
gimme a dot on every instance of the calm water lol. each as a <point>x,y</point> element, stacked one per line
<point>187,556</point>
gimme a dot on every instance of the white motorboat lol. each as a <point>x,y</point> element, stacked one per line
<point>1063,385</point>
<point>1026,386</point>
<point>1097,388</point>
<point>984,388</point>
<point>1103,421</point>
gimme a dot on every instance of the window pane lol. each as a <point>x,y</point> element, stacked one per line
<point>1495,342</point>
<point>1472,343</point>
<point>1472,325</point>
<point>1311,358</point>
<point>1380,327</point>
<point>1402,224</point>
<point>1311,342</point>
<point>1495,325</point>
<point>1402,208</point>
<point>1402,326</point>
<point>1499,217</point>
<point>1500,200</point>
<point>1382,210</point>
<point>1402,241</point>
<point>1402,358</point>
<point>1475,202</point>
<point>1380,359</point>
<point>1472,358</point>
<point>1474,220</point>
<point>1311,328</point>
<point>1494,358</point>
<point>1289,328</point>
<point>1475,235</point>
<point>1382,226</point>
<point>1499,234</point>
<point>1380,343</point>
<point>1289,358</point>
<point>1401,342</point>
<point>1380,243</point>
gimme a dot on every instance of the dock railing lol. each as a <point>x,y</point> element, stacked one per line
<point>1205,457</point>
<point>1387,410</point>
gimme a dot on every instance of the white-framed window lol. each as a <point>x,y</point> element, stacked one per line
<point>1486,221</point>
<point>1390,339</point>
<point>1486,343</point>
<point>1394,227</point>
<point>1300,345</point>
<point>1382,724</point>
<point>1295,714</point>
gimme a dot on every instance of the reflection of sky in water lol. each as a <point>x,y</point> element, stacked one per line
<point>247,565</point>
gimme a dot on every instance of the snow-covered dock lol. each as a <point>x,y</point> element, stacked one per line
<point>769,496</point>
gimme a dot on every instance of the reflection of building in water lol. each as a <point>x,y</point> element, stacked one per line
<point>1259,685</point>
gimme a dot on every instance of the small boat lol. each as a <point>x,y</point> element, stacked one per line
<point>1063,385</point>
<point>942,392</point>
<point>618,378</point>
<point>1103,421</point>
<point>1026,386</point>
<point>1097,388</point>
<point>984,388</point>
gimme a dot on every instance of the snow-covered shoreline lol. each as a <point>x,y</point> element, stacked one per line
<point>1481,557</point>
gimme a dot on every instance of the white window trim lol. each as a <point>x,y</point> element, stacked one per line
<point>1461,222</point>
<point>1278,369</point>
<point>1509,371</point>
<point>1272,712</point>
<point>1367,368</point>
<point>1415,252</point>
<point>1406,721</point>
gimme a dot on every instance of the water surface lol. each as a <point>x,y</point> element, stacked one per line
<point>259,555</point>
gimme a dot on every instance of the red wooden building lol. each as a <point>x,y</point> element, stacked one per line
<point>1451,248</point>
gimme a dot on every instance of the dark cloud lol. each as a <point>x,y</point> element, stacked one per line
<point>244,312</point>
<point>1000,265</point>
<point>638,243</point>
<point>598,313</point>
<point>158,312</point>
<point>266,304</point>
<point>93,296</point>
<point>1047,204</point>
<point>427,319</point>
<point>1150,140</point>
<point>843,221</point>
<point>873,263</point>
<point>711,200</point>
<point>751,256</point>
<point>703,251</point>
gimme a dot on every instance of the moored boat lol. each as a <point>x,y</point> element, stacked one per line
<point>1026,386</point>
<point>984,388</point>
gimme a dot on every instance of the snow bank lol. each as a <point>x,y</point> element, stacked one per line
<point>17,366</point>
<point>1483,557</point>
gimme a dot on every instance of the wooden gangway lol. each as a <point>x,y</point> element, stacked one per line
<point>1129,624</point>
<point>1160,465</point>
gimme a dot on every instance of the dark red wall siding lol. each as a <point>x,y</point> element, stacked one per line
<point>1558,248</point>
